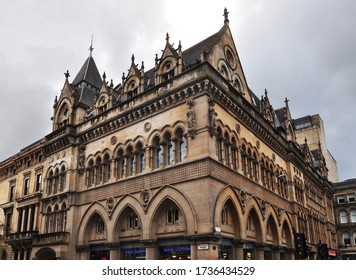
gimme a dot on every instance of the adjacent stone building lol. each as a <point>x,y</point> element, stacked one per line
<point>181,161</point>
<point>345,212</point>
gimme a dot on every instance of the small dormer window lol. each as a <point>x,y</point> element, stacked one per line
<point>132,90</point>
<point>168,72</point>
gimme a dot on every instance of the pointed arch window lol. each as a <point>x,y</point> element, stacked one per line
<point>227,148</point>
<point>181,145</point>
<point>50,182</point>
<point>98,171</point>
<point>107,168</point>
<point>90,174</point>
<point>120,164</point>
<point>219,144</point>
<point>234,154</point>
<point>244,160</point>
<point>173,215</point>
<point>131,161</point>
<point>62,179</point>
<point>168,149</point>
<point>140,158</point>
<point>168,71</point>
<point>157,153</point>
<point>132,221</point>
<point>224,216</point>
<point>56,181</point>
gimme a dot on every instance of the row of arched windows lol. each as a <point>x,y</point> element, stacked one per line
<point>56,180</point>
<point>261,171</point>
<point>134,159</point>
<point>345,217</point>
<point>348,239</point>
<point>56,218</point>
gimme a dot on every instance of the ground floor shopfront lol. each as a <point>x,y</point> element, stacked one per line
<point>185,249</point>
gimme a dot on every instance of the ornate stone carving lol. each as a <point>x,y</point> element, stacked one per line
<point>145,197</point>
<point>113,140</point>
<point>110,204</point>
<point>212,116</point>
<point>147,126</point>
<point>81,159</point>
<point>191,118</point>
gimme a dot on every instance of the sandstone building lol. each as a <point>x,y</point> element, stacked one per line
<point>181,161</point>
<point>345,218</point>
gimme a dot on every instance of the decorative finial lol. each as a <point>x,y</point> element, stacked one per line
<point>104,77</point>
<point>66,74</point>
<point>286,101</point>
<point>226,16</point>
<point>167,37</point>
<point>266,92</point>
<point>156,59</point>
<point>91,46</point>
<point>306,141</point>
<point>142,66</point>
<point>133,58</point>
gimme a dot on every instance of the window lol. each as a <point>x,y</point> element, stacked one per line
<point>346,238</point>
<point>38,182</point>
<point>351,198</point>
<point>224,216</point>
<point>50,182</point>
<point>131,161</point>
<point>169,73</point>
<point>107,168</point>
<point>219,144</point>
<point>132,221</point>
<point>90,173</point>
<point>234,154</point>
<point>157,153</point>
<point>12,193</point>
<point>168,149</point>
<point>121,164</point>
<point>354,238</point>
<point>181,149</point>
<point>353,216</point>
<point>340,199</point>
<point>227,148</point>
<point>173,215</point>
<point>343,217</point>
<point>26,186</point>
<point>100,226</point>
<point>62,179</point>
<point>140,162</point>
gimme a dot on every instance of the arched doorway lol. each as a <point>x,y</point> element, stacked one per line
<point>46,254</point>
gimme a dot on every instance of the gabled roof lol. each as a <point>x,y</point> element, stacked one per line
<point>88,73</point>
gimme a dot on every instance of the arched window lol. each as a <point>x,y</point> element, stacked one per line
<point>343,217</point>
<point>255,167</point>
<point>90,174</point>
<point>98,171</point>
<point>132,221</point>
<point>167,71</point>
<point>181,145</point>
<point>168,149</point>
<point>120,164</point>
<point>227,148</point>
<point>49,220</point>
<point>219,144</point>
<point>56,181</point>
<point>131,161</point>
<point>157,152</point>
<point>64,217</point>
<point>62,179</point>
<point>140,158</point>
<point>50,183</point>
<point>224,217</point>
<point>354,238</point>
<point>244,160</point>
<point>57,219</point>
<point>234,154</point>
<point>353,216</point>
<point>173,215</point>
<point>107,168</point>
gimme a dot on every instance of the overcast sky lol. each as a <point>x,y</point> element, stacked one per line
<point>301,49</point>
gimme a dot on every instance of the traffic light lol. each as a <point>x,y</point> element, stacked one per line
<point>300,246</point>
<point>323,251</point>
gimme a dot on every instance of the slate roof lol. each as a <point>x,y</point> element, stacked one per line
<point>89,73</point>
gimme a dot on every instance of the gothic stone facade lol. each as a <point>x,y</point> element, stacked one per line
<point>182,161</point>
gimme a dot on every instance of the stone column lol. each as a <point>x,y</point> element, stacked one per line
<point>239,251</point>
<point>260,252</point>
<point>276,253</point>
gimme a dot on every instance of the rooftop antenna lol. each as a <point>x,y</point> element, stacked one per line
<point>91,46</point>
